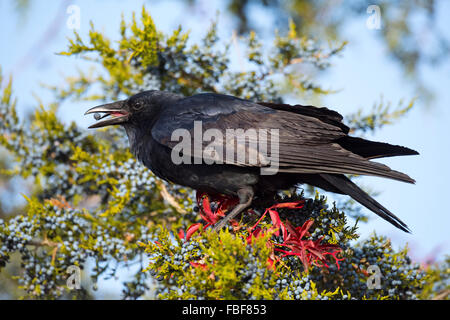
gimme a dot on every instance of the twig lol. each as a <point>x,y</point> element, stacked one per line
<point>442,295</point>
<point>170,199</point>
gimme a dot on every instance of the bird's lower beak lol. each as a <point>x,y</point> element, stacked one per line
<point>116,112</point>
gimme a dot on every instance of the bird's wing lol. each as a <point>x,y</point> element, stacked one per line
<point>362,147</point>
<point>306,144</point>
<point>324,114</point>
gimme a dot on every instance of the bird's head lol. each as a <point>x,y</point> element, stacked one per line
<point>141,107</point>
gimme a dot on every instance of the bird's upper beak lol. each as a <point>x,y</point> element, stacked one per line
<point>116,110</point>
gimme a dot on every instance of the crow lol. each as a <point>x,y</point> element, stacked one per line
<point>308,145</point>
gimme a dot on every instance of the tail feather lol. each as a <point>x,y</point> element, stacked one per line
<point>372,149</point>
<point>346,186</point>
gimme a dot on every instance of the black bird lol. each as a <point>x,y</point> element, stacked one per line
<point>313,146</point>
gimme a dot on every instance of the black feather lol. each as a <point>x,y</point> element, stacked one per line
<point>314,146</point>
<point>346,186</point>
<point>372,150</point>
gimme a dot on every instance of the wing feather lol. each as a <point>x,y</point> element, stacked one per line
<point>306,140</point>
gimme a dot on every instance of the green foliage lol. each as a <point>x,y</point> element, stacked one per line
<point>327,19</point>
<point>94,206</point>
<point>234,265</point>
<point>146,58</point>
<point>438,284</point>
<point>380,115</point>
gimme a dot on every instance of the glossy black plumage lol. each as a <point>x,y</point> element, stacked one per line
<point>314,146</point>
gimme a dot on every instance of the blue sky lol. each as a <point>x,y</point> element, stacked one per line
<point>364,73</point>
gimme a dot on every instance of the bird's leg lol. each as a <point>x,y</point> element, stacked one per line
<point>245,200</point>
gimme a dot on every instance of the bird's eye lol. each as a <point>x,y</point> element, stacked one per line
<point>138,106</point>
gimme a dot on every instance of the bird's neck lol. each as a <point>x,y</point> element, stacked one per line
<point>138,139</point>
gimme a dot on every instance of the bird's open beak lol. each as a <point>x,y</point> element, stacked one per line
<point>115,112</point>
